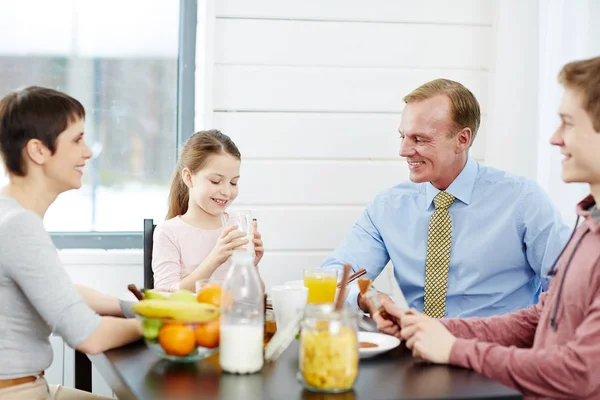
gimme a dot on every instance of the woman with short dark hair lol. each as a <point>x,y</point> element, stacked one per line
<point>44,153</point>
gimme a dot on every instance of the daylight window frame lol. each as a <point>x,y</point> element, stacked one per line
<point>186,84</point>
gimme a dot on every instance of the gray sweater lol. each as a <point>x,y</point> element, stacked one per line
<point>37,296</point>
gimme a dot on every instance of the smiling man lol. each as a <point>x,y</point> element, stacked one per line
<point>464,239</point>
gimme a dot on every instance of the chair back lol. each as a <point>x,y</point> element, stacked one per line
<point>148,244</point>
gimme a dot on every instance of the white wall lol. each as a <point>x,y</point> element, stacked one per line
<point>532,45</point>
<point>511,142</point>
<point>312,91</point>
<point>568,31</point>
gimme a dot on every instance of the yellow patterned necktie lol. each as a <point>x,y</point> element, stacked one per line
<point>438,256</point>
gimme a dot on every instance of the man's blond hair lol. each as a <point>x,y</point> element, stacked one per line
<point>584,76</point>
<point>464,107</point>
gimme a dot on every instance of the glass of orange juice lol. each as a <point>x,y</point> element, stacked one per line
<point>321,284</point>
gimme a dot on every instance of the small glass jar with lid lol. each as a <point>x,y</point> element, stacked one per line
<point>329,353</point>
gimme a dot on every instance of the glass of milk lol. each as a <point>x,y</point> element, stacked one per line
<point>243,219</point>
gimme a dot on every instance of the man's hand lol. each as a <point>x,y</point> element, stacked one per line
<point>387,325</point>
<point>392,323</point>
<point>428,338</point>
<point>367,306</point>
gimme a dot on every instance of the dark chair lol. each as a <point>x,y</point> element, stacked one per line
<point>148,242</point>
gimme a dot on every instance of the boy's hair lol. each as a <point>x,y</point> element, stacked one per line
<point>194,156</point>
<point>33,113</point>
<point>464,107</point>
<point>584,76</point>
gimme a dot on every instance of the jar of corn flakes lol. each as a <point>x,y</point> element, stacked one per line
<point>329,348</point>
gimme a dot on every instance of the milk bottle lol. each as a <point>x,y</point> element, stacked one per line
<point>242,317</point>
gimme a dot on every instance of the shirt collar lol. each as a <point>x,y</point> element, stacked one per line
<point>587,208</point>
<point>461,188</point>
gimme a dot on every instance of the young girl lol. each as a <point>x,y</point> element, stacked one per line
<point>192,244</point>
<point>43,151</point>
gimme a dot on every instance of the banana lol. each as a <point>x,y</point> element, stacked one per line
<point>183,295</point>
<point>176,310</point>
<point>153,295</point>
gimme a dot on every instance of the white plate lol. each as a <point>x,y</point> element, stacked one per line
<point>384,343</point>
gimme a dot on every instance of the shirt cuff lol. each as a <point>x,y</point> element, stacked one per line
<point>449,323</point>
<point>460,351</point>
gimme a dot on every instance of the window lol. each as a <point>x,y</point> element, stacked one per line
<point>121,60</point>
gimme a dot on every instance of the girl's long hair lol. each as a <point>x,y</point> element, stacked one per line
<point>194,156</point>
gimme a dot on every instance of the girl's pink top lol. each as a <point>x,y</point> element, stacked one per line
<point>178,249</point>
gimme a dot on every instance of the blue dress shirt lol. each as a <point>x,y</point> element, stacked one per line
<point>506,233</point>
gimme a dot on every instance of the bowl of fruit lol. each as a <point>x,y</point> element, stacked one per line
<point>179,327</point>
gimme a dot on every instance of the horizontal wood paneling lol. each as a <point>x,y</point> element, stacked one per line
<point>305,228</point>
<point>335,136</point>
<point>310,43</point>
<point>364,90</point>
<point>443,12</point>
<point>317,182</point>
<point>278,268</point>
<point>112,280</point>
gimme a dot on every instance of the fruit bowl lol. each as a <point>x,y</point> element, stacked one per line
<point>179,341</point>
<point>179,331</point>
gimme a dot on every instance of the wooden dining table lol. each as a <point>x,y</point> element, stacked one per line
<point>135,372</point>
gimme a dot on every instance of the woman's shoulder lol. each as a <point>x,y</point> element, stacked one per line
<point>13,215</point>
<point>21,230</point>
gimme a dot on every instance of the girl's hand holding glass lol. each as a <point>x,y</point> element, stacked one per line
<point>229,240</point>
<point>259,251</point>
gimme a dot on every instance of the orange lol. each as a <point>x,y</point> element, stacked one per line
<point>210,294</point>
<point>177,339</point>
<point>208,334</point>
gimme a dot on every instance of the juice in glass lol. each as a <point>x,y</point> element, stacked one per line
<point>321,286</point>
